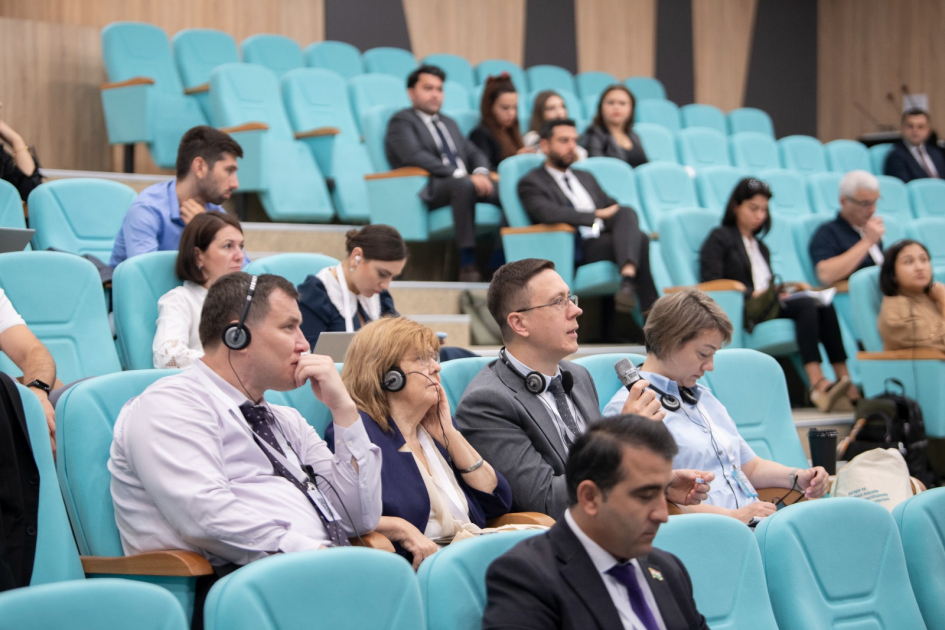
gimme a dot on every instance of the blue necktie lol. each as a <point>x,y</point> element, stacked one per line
<point>447,151</point>
<point>627,575</point>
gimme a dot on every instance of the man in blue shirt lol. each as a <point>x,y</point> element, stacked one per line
<point>206,177</point>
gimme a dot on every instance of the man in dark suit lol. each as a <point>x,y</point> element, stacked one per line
<point>523,411</point>
<point>596,568</point>
<point>553,193</point>
<point>916,156</point>
<point>459,172</point>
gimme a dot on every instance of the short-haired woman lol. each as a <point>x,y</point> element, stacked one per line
<point>497,134</point>
<point>211,246</point>
<point>611,132</point>
<point>913,310</point>
<point>548,105</point>
<point>683,333</point>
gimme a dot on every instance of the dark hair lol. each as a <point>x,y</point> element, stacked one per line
<point>597,454</point>
<point>198,234</point>
<point>548,127</point>
<point>599,117</point>
<point>915,111</point>
<point>378,242</point>
<point>509,138</point>
<point>205,142</point>
<point>414,76</point>
<point>743,191</point>
<point>225,299</point>
<point>887,273</point>
<point>508,289</point>
<point>538,109</point>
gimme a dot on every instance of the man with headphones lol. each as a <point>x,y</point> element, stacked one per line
<point>523,411</point>
<point>200,461</point>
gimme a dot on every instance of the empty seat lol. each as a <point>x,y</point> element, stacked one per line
<point>197,52</point>
<point>930,231</point>
<point>11,207</point>
<point>276,52</point>
<point>754,151</point>
<point>878,155</point>
<point>683,231</point>
<point>823,189</point>
<point>495,67</point>
<point>138,284</point>
<point>456,99</point>
<point>844,156</point>
<point>547,77</point>
<point>803,154</point>
<point>457,69</point>
<point>788,192</point>
<point>658,142</point>
<point>658,111</point>
<point>294,267</point>
<point>927,197</point>
<point>339,57</point>
<point>750,119</point>
<point>618,181</point>
<point>715,185</point>
<point>921,522</point>
<point>896,229</point>
<point>645,88</point>
<point>663,187</point>
<point>700,147</point>
<point>371,90</point>
<point>700,115</point>
<point>396,62</point>
<point>893,199</point>
<point>591,84</point>
<point>456,375</point>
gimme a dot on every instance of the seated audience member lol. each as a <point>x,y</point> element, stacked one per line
<point>524,411</point>
<point>206,177</point>
<point>611,132</point>
<point>853,240</point>
<point>683,332</point>
<point>19,167</point>
<point>435,486</point>
<point>548,105</point>
<point>200,461</point>
<point>597,567</point>
<point>459,173</point>
<point>735,251</point>
<point>553,193</point>
<point>210,247</point>
<point>913,310</point>
<point>497,134</point>
<point>916,155</point>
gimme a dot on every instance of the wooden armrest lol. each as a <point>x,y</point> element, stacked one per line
<point>493,176</point>
<point>711,285</point>
<point>317,133</point>
<point>250,126</point>
<point>842,287</point>
<point>173,563</point>
<point>538,229</point>
<point>785,494</point>
<point>654,236</point>
<point>373,540</point>
<point>407,171</point>
<point>918,354</point>
<point>671,508</point>
<point>197,89</point>
<point>128,83</point>
<point>522,518</point>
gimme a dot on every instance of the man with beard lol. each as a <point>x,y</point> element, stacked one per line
<point>206,177</point>
<point>553,193</point>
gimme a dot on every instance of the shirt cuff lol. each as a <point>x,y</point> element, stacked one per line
<point>352,441</point>
<point>482,170</point>
<point>293,541</point>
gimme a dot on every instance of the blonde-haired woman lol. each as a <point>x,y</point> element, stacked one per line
<point>435,485</point>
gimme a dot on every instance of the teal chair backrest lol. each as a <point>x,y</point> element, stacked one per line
<point>396,62</point>
<point>804,154</point>
<point>601,369</point>
<point>199,50</point>
<point>824,192</point>
<point>893,199</point>
<point>278,53</point>
<point>684,231</point>
<point>374,124</point>
<point>927,196</point>
<point>453,580</point>
<point>456,100</point>
<point>495,67</point>
<point>11,207</point>
<point>658,142</point>
<point>804,230</point>
<point>740,600</point>
<point>294,267</point>
<point>618,181</point>
<point>750,119</point>
<point>930,231</point>
<point>367,91</point>
<point>754,150</point>
<point>137,285</point>
<point>248,92</point>
<point>456,375</point>
<point>701,115</point>
<point>715,185</point>
<point>80,215</point>
<point>548,77</point>
<point>102,604</point>
<point>591,84</point>
<point>819,576</point>
<point>878,155</point>
<point>788,191</point>
<point>466,120</point>
<point>783,245</point>
<point>136,49</point>
<point>457,69</point>
<point>658,111</point>
<point>753,389</point>
<point>330,585</point>
<point>315,97</point>
<point>700,147</point>
<point>303,400</point>
<point>844,156</point>
<point>865,302</point>
<point>663,187</point>
<point>921,521</point>
<point>897,229</point>
<point>645,88</point>
<point>340,57</point>
<point>511,170</point>
<point>68,313</point>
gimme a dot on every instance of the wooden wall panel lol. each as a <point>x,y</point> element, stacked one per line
<point>721,45</point>
<point>474,29</point>
<point>616,36</point>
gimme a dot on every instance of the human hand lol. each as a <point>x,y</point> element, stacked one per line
<point>814,481</point>
<point>643,402</point>
<point>686,490</point>
<point>606,213</point>
<point>937,292</point>
<point>418,545</point>
<point>758,508</point>
<point>189,209</point>
<point>437,420</point>
<point>482,184</point>
<point>50,416</point>
<point>874,229</point>
<point>321,373</point>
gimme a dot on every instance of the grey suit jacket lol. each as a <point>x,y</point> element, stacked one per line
<point>544,201</point>
<point>514,431</point>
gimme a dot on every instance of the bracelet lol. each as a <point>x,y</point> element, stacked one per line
<point>25,147</point>
<point>472,468</point>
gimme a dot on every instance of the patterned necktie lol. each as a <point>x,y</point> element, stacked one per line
<point>627,575</point>
<point>564,410</point>
<point>447,151</point>
<point>261,421</point>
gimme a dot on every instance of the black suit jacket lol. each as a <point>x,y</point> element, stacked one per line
<point>548,581</point>
<point>599,142</point>
<point>723,256</point>
<point>902,164</point>
<point>545,203</point>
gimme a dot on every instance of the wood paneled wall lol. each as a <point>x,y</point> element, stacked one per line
<point>616,36</point>
<point>477,30</point>
<point>721,45</point>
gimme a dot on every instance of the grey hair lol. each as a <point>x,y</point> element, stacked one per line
<point>856,180</point>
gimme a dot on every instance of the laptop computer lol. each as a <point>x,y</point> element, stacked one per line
<point>14,239</point>
<point>334,345</point>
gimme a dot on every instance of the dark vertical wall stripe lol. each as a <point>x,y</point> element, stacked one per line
<point>550,34</point>
<point>782,71</point>
<point>367,23</point>
<point>674,66</point>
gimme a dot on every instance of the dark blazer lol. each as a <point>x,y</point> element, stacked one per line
<point>320,315</point>
<point>902,164</point>
<point>599,143</point>
<point>545,203</point>
<point>486,141</point>
<point>723,256</point>
<point>549,581</point>
<point>515,432</point>
<point>403,492</point>
<point>410,143</point>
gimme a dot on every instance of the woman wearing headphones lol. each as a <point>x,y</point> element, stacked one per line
<point>436,487</point>
<point>683,332</point>
<point>913,310</point>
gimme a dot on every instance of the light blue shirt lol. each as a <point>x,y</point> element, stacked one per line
<point>697,448</point>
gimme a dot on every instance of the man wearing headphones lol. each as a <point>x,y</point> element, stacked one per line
<point>523,411</point>
<point>200,461</point>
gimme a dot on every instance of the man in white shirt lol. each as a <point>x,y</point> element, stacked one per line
<point>916,155</point>
<point>200,461</point>
<point>597,568</point>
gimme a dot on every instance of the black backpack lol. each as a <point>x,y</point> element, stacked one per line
<point>894,421</point>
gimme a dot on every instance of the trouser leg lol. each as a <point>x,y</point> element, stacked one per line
<point>460,194</point>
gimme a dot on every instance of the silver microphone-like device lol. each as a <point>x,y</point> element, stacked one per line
<point>627,372</point>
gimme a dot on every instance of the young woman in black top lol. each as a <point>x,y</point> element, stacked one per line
<point>611,133</point>
<point>498,135</point>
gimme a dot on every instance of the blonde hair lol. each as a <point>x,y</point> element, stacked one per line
<point>678,318</point>
<point>378,347</point>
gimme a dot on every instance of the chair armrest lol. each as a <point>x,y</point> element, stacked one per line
<point>493,176</point>
<point>128,83</point>
<point>712,285</point>
<point>407,171</point>
<point>538,228</point>
<point>173,563</point>
<point>522,518</point>
<point>250,126</point>
<point>373,540</point>
<point>317,133</point>
<point>197,89</point>
<point>917,354</point>
<point>842,287</point>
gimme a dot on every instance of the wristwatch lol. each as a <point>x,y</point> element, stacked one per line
<point>41,385</point>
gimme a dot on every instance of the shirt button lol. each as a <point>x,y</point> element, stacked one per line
<point>705,430</point>
<point>251,544</point>
<point>350,443</point>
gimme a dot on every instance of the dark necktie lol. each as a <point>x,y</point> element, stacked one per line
<point>261,420</point>
<point>627,575</point>
<point>564,410</point>
<point>567,184</point>
<point>447,151</point>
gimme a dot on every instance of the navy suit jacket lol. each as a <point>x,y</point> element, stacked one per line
<point>902,164</point>
<point>320,315</point>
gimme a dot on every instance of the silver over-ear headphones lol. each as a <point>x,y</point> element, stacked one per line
<point>236,336</point>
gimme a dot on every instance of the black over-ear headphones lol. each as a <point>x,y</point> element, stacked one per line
<point>670,402</point>
<point>535,381</point>
<point>236,336</point>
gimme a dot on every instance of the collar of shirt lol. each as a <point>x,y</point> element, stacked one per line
<point>232,393</point>
<point>603,560</point>
<point>671,387</point>
<point>425,117</point>
<point>197,289</point>
<point>173,203</point>
<point>524,370</point>
<point>559,174</point>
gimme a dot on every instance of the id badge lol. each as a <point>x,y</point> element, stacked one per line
<point>324,505</point>
<point>743,483</point>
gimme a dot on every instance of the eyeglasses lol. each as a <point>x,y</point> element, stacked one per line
<point>862,204</point>
<point>560,303</point>
<point>426,360</point>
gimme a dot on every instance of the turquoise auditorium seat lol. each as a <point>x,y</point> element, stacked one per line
<point>456,99</point>
<point>701,115</point>
<point>893,200</point>
<point>921,521</point>
<point>11,207</point>
<point>788,192</point>
<point>715,185</point>
<point>803,154</point>
<point>339,57</point>
<point>700,147</point>
<point>592,84</point>
<point>930,231</point>
<point>824,192</point>
<point>928,197</point>
<point>457,69</point>
<point>368,91</point>
<point>396,62</point>
<point>754,150</point>
<point>645,88</point>
<point>495,67</point>
<point>197,52</point>
<point>750,119</point>
<point>658,142</point>
<point>294,267</point>
<point>619,182</point>
<point>601,369</point>
<point>878,155</point>
<point>548,77</point>
<point>278,53</point>
<point>844,156</point>
<point>658,111</point>
<point>664,187</point>
<point>457,374</point>
<point>137,285</point>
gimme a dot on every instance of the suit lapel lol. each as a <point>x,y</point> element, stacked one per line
<point>535,408</point>
<point>425,134</point>
<point>663,594</point>
<point>582,576</point>
<point>584,402</point>
<point>550,183</point>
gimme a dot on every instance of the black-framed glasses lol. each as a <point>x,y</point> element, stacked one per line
<point>560,303</point>
<point>862,204</point>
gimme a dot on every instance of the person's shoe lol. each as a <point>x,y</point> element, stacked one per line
<point>625,297</point>
<point>827,400</point>
<point>469,273</point>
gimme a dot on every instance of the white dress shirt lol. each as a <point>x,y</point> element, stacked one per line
<point>187,474</point>
<point>875,252</point>
<point>548,400</point>
<point>428,122</point>
<point>603,562</point>
<point>579,198</point>
<point>8,315</point>
<point>760,271</point>
<point>177,339</point>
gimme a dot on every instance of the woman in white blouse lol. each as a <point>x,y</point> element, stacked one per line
<point>211,246</point>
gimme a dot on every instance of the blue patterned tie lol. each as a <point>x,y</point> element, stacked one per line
<point>627,575</point>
